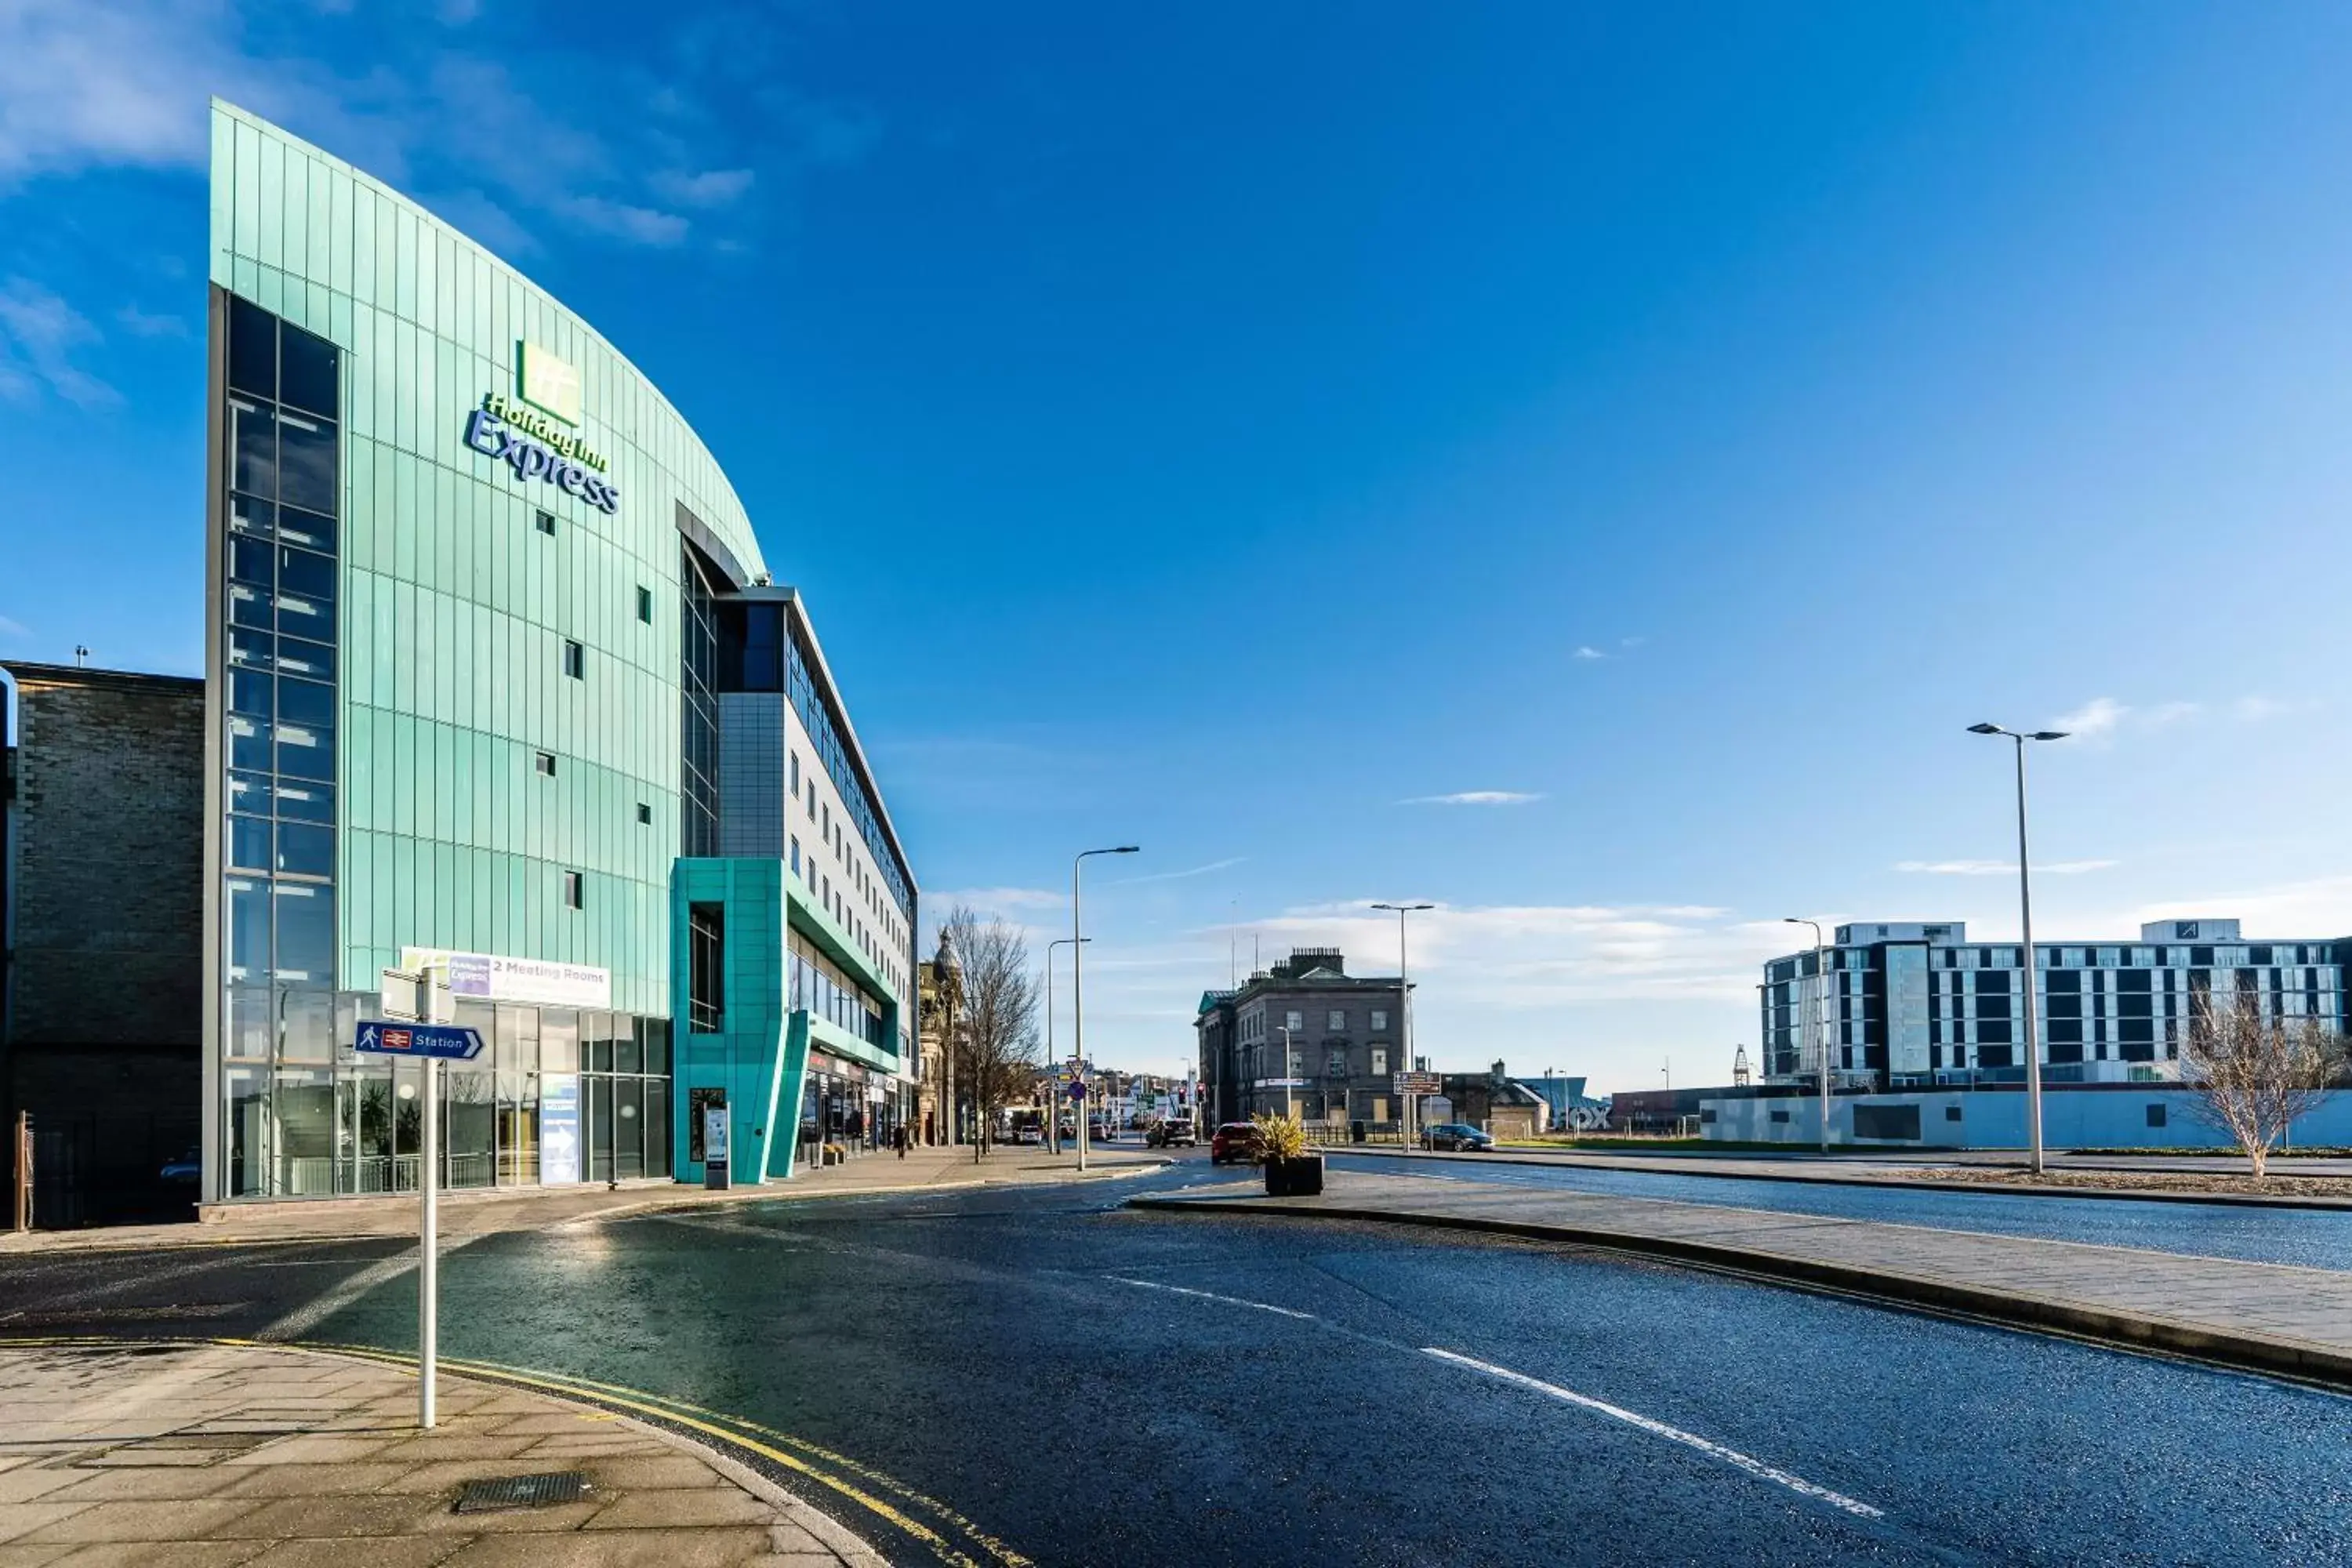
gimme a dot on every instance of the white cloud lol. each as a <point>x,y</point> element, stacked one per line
<point>2094,719</point>
<point>1586,650</point>
<point>2253,709</point>
<point>623,220</point>
<point>1526,957</point>
<point>1174,875</point>
<point>1474,797</point>
<point>2165,713</point>
<point>39,333</point>
<point>710,188</point>
<point>2001,868</point>
<point>139,324</point>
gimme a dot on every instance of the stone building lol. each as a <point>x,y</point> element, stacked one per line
<point>1341,1033</point>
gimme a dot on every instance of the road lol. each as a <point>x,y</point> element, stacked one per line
<point>1043,1375</point>
<point>2313,1238</point>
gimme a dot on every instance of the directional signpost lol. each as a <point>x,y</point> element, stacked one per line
<point>406,994</point>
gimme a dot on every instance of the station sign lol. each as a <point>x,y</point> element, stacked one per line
<point>421,1042</point>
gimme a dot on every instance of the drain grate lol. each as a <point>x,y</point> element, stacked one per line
<point>500,1492</point>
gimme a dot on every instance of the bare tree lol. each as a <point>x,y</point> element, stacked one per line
<point>2254,1075</point>
<point>995,1044</point>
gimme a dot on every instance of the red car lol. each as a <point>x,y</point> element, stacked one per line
<point>1234,1140</point>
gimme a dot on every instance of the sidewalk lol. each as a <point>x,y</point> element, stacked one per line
<point>481,1212</point>
<point>1898,1169</point>
<point>2259,1316</point>
<point>234,1455</point>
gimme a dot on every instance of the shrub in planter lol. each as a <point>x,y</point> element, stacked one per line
<point>1290,1170</point>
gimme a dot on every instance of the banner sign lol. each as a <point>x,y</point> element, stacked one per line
<point>495,977</point>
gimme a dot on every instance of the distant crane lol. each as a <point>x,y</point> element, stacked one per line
<point>1741,1074</point>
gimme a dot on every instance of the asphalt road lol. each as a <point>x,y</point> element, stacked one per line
<point>1045,1377</point>
<point>2313,1238</point>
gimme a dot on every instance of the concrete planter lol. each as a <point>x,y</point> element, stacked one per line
<point>1297,1178</point>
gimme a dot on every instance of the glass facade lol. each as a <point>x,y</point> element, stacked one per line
<point>465,695</point>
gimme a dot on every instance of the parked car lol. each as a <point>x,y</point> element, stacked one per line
<point>1235,1140</point>
<point>1456,1135</point>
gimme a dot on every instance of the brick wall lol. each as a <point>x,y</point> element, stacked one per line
<point>107,875</point>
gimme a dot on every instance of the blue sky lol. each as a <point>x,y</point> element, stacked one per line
<point>1582,467</point>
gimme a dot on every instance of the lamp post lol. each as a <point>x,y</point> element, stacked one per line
<point>2025,921</point>
<point>1053,1099</point>
<point>1078,978</point>
<point>1821,975</point>
<point>1285,1072</point>
<point>1404,1011</point>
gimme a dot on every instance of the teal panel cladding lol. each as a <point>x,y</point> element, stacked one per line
<point>465,583</point>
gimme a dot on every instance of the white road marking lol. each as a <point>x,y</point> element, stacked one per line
<point>309,1315</point>
<point>1209,1296</point>
<point>1731,1456</point>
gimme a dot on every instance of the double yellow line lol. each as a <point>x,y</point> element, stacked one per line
<point>811,1461</point>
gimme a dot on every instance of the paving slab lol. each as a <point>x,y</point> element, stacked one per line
<point>2264,1317</point>
<point>154,1455</point>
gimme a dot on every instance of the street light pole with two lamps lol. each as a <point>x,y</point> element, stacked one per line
<point>1053,1098</point>
<point>2025,921</point>
<point>1404,1011</point>
<point>1079,982</point>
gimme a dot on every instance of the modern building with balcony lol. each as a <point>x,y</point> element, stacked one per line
<point>498,676</point>
<point>1917,1005</point>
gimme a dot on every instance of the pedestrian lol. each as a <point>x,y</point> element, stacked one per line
<point>901,1140</point>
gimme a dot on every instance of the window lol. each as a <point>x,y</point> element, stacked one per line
<point>1951,1113</point>
<point>547,763</point>
<point>1294,1020</point>
<point>1335,1021</point>
<point>575,660</point>
<point>2155,1116</point>
<point>1379,1064</point>
<point>571,893</point>
<point>545,521</point>
<point>1380,1018</point>
<point>644,814</point>
<point>646,606</point>
<point>706,1003</point>
<point>796,855</point>
<point>796,772</point>
<point>1780,1116</point>
<point>1336,1065</point>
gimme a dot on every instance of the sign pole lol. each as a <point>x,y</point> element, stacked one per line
<point>428,1242</point>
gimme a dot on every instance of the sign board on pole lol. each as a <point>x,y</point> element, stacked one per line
<point>440,1042</point>
<point>1419,1083</point>
<point>715,1173</point>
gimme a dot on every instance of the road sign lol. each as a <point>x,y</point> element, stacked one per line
<point>1078,1089</point>
<point>433,1042</point>
<point>1419,1083</point>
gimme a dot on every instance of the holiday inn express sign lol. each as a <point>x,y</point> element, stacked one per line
<point>527,433</point>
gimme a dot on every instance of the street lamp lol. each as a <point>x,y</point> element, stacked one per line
<point>1078,978</point>
<point>1821,974</point>
<point>1404,1008</point>
<point>1053,1100</point>
<point>2025,921</point>
<point>1289,1061</point>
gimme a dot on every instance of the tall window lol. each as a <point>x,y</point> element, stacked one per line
<point>699,707</point>
<point>281,473</point>
<point>706,968</point>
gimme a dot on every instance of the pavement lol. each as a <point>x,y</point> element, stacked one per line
<point>2266,1316</point>
<point>225,1455</point>
<point>1906,1171</point>
<point>491,1211</point>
